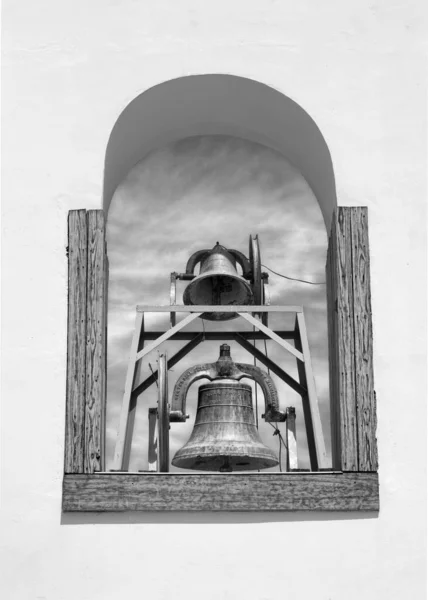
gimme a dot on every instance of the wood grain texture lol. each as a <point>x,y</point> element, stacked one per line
<point>104,412</point>
<point>344,332</point>
<point>96,307</point>
<point>363,342</point>
<point>336,450</point>
<point>353,404</point>
<point>76,343</point>
<point>254,492</point>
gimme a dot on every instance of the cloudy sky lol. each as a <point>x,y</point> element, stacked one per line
<point>184,198</point>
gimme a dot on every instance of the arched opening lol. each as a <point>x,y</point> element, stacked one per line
<point>185,197</point>
<point>220,104</point>
<point>174,114</point>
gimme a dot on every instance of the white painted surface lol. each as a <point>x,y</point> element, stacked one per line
<point>69,69</point>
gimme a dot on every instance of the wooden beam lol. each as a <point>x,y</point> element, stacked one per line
<point>363,342</point>
<point>76,343</point>
<point>96,308</point>
<point>353,405</point>
<point>221,492</point>
<point>342,341</point>
<point>104,411</point>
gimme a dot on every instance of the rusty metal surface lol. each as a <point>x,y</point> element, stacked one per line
<point>225,368</point>
<point>218,282</point>
<point>224,437</point>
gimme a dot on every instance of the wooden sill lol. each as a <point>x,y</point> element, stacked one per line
<point>309,491</point>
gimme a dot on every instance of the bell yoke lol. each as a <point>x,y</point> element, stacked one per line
<point>224,437</point>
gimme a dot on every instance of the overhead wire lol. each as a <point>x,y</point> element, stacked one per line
<point>277,432</point>
<point>294,278</point>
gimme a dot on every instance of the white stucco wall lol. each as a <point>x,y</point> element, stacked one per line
<point>69,69</point>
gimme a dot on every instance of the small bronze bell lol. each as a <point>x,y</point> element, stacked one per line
<point>218,282</point>
<point>224,437</point>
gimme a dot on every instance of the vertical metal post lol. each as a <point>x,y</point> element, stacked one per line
<point>292,462</point>
<point>265,297</point>
<point>152,441</point>
<point>163,415</point>
<point>173,296</point>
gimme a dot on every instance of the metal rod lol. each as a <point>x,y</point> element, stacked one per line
<point>173,296</point>
<point>152,441</point>
<point>292,461</point>
<point>163,416</point>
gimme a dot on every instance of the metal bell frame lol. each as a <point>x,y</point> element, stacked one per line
<point>158,449</point>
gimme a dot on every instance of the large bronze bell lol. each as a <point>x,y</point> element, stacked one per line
<point>218,282</point>
<point>224,437</point>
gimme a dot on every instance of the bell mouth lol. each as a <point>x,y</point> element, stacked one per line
<point>227,463</point>
<point>218,290</point>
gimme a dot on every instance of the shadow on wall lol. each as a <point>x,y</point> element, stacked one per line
<point>217,104</point>
<point>196,518</point>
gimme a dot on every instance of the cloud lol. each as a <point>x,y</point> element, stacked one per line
<point>184,198</point>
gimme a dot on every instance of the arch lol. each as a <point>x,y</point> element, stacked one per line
<point>216,104</point>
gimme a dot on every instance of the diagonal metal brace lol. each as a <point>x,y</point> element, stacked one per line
<point>272,335</point>
<point>271,365</point>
